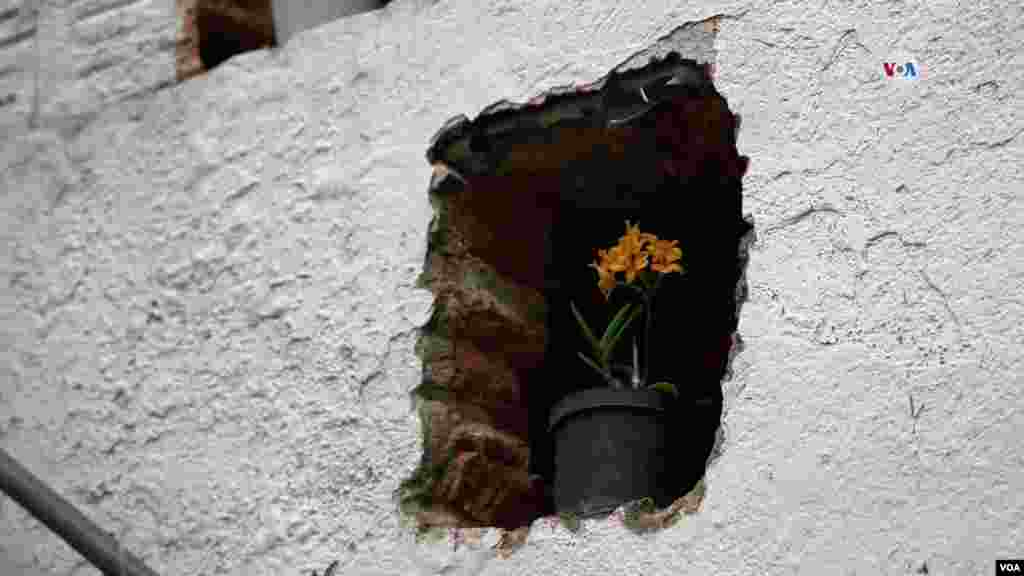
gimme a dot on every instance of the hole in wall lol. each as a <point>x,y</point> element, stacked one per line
<point>212,31</point>
<point>229,27</point>
<point>522,196</point>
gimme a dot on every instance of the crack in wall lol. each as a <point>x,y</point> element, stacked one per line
<point>796,219</point>
<point>942,295</point>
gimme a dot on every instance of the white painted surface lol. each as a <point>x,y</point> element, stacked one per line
<point>294,16</point>
<point>62,59</point>
<point>255,420</point>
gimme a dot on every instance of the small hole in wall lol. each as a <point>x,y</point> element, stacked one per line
<point>212,31</point>
<point>226,28</point>
<point>523,196</point>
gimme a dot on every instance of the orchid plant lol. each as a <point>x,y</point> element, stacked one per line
<point>644,260</point>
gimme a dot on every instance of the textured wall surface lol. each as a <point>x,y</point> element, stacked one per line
<point>208,308</point>
<point>290,18</point>
<point>70,59</point>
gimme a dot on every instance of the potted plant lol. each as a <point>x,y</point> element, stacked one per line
<point>610,443</point>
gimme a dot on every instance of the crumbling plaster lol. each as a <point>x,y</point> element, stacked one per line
<point>209,312</point>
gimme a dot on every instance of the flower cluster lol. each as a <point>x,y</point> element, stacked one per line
<point>641,256</point>
<point>632,255</point>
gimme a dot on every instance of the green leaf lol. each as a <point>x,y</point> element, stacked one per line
<point>615,330</point>
<point>586,330</point>
<point>666,387</point>
<point>609,378</point>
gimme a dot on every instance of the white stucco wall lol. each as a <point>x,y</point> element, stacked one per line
<point>294,16</point>
<point>208,311</point>
<point>67,60</point>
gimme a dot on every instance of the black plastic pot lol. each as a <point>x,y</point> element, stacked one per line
<point>611,446</point>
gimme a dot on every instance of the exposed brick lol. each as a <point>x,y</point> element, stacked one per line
<point>487,491</point>
<point>442,418</point>
<point>465,374</point>
<point>187,61</point>
<point>487,471</point>
<point>499,447</point>
<point>499,209</point>
<point>487,332</point>
<point>496,313</point>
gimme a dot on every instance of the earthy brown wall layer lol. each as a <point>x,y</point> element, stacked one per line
<point>187,61</point>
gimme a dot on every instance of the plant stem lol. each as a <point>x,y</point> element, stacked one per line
<point>647,294</point>
<point>648,302</point>
<point>609,378</point>
<point>636,369</point>
<point>634,287</point>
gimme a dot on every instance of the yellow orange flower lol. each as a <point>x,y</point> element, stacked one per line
<point>606,279</point>
<point>632,244</point>
<point>614,260</point>
<point>632,255</point>
<point>637,262</point>
<point>634,240</point>
<point>665,255</point>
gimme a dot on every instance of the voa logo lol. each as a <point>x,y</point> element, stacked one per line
<point>907,70</point>
<point>1009,567</point>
